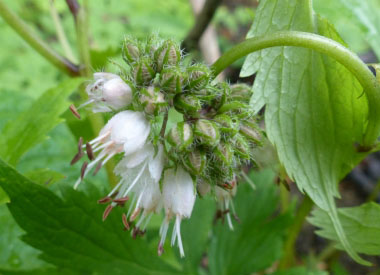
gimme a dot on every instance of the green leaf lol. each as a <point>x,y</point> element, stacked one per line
<point>44,176</point>
<point>70,232</point>
<point>257,241</point>
<point>315,112</point>
<point>362,224</point>
<point>300,271</point>
<point>32,125</point>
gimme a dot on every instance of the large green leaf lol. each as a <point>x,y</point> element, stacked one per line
<point>70,232</point>
<point>362,224</point>
<point>314,109</point>
<point>257,241</point>
<point>300,271</point>
<point>32,125</point>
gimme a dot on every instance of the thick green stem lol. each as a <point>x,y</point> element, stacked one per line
<point>36,43</point>
<point>323,45</point>
<point>82,38</point>
<point>288,258</point>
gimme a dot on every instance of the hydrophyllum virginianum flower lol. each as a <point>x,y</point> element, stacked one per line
<point>108,92</point>
<point>224,199</point>
<point>179,197</point>
<point>125,132</point>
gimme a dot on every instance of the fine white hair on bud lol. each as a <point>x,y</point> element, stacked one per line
<point>178,197</point>
<point>108,92</point>
<point>125,132</point>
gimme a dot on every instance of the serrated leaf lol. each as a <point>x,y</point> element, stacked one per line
<point>70,232</point>
<point>315,111</point>
<point>362,224</point>
<point>257,241</point>
<point>32,125</point>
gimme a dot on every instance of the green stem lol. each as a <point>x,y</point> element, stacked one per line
<point>82,38</point>
<point>61,32</point>
<point>323,45</point>
<point>36,43</point>
<point>288,258</point>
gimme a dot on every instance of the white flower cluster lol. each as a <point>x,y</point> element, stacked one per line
<point>142,166</point>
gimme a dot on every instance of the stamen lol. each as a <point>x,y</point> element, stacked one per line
<point>135,214</point>
<point>86,103</point>
<point>80,144</point>
<point>90,154</point>
<point>76,158</point>
<point>178,227</point>
<point>74,111</point>
<point>103,146</point>
<point>100,165</point>
<point>125,222</point>
<point>135,180</point>
<point>163,231</point>
<point>121,200</point>
<point>83,169</point>
<point>115,188</point>
<point>104,200</point>
<point>160,249</point>
<point>99,137</point>
<point>107,212</point>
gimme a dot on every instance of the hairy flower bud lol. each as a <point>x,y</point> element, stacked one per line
<point>152,100</point>
<point>241,92</point>
<point>168,54</point>
<point>187,104</point>
<point>195,162</point>
<point>251,131</point>
<point>143,71</point>
<point>224,153</point>
<point>226,124</point>
<point>171,80</point>
<point>180,136</point>
<point>242,148</point>
<point>199,76</point>
<point>207,132</point>
<point>130,50</point>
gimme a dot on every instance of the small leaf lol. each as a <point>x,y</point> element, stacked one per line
<point>70,232</point>
<point>32,125</point>
<point>257,241</point>
<point>44,176</point>
<point>362,224</point>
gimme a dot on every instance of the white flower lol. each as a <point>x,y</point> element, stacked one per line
<point>125,132</point>
<point>224,199</point>
<point>178,197</point>
<point>109,92</point>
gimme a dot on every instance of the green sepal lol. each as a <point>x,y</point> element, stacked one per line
<point>207,132</point>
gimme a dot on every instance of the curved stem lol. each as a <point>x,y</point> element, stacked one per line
<point>36,43</point>
<point>323,45</point>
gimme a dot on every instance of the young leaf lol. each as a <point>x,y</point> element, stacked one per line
<point>70,232</point>
<point>257,241</point>
<point>362,224</point>
<point>315,111</point>
<point>32,125</point>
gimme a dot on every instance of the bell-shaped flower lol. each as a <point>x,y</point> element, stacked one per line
<point>224,200</point>
<point>178,194</point>
<point>108,92</point>
<point>126,132</point>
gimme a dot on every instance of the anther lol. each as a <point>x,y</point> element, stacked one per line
<point>98,166</point>
<point>125,222</point>
<point>80,144</point>
<point>160,249</point>
<point>77,157</point>
<point>121,201</point>
<point>74,111</point>
<point>105,200</point>
<point>89,152</point>
<point>107,212</point>
<point>83,169</point>
<point>135,214</point>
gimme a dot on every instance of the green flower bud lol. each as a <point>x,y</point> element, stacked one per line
<point>130,50</point>
<point>241,92</point>
<point>226,124</point>
<point>169,54</point>
<point>251,131</point>
<point>224,153</point>
<point>187,104</point>
<point>242,148</point>
<point>195,162</point>
<point>152,100</point>
<point>199,76</point>
<point>143,71</point>
<point>180,136</point>
<point>207,132</point>
<point>171,80</point>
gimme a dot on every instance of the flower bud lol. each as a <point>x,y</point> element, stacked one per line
<point>195,162</point>
<point>207,132</point>
<point>203,188</point>
<point>144,72</point>
<point>242,148</point>
<point>241,92</point>
<point>251,131</point>
<point>168,54</point>
<point>171,80</point>
<point>180,136</point>
<point>226,124</point>
<point>233,106</point>
<point>187,104</point>
<point>224,153</point>
<point>199,76</point>
<point>152,100</point>
<point>131,52</point>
